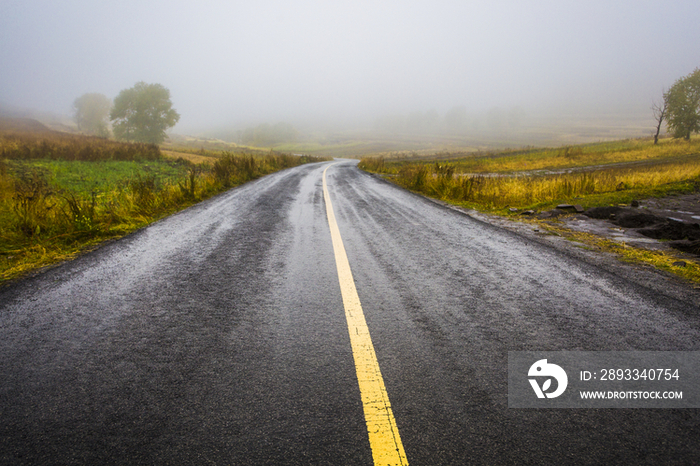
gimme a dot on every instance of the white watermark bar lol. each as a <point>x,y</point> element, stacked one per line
<point>604,379</point>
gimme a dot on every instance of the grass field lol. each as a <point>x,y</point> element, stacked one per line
<point>372,138</point>
<point>208,147</point>
<point>592,174</point>
<point>29,140</point>
<point>84,177</point>
<point>55,204</point>
<point>196,158</point>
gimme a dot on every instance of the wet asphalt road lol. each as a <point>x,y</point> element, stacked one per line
<point>217,336</point>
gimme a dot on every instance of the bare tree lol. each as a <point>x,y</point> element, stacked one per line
<point>659,111</point>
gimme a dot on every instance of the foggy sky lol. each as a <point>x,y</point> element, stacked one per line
<point>231,62</point>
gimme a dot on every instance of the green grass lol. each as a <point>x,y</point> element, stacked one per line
<point>84,177</point>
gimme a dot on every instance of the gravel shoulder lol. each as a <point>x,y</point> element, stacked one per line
<point>685,207</point>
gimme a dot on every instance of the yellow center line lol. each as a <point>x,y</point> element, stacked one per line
<point>384,439</point>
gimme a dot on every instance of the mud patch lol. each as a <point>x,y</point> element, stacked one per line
<point>670,222</point>
<point>603,213</point>
<point>673,230</point>
<point>637,219</point>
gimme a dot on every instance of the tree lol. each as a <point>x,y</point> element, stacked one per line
<point>659,112</point>
<point>91,113</point>
<point>683,106</point>
<point>143,113</point>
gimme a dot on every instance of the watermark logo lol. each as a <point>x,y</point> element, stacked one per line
<point>604,379</point>
<point>543,370</point>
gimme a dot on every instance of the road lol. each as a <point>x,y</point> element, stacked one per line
<point>219,336</point>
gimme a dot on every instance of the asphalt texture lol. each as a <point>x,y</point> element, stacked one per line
<point>218,336</point>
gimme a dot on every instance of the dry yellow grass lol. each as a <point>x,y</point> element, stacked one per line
<point>617,152</point>
<point>194,158</point>
<point>670,167</point>
<point>580,156</point>
<point>529,190</point>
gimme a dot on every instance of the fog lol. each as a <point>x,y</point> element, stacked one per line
<point>232,64</point>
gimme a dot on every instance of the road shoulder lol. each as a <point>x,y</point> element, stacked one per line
<point>658,281</point>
